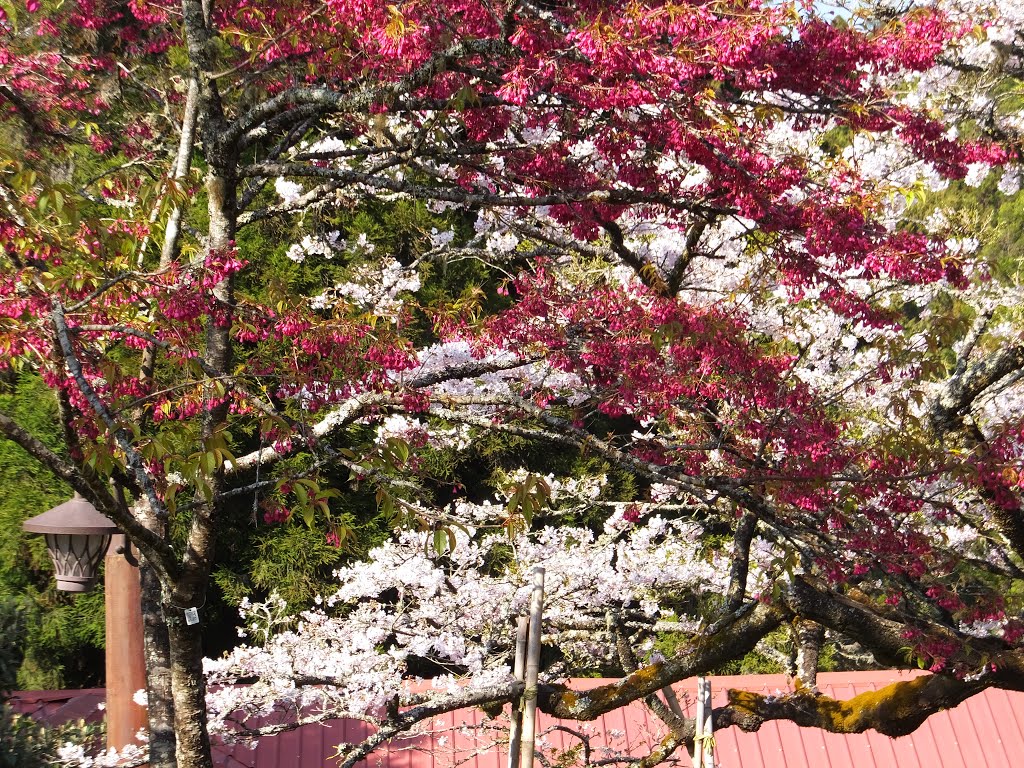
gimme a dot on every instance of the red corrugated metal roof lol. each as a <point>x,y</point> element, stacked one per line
<point>983,731</point>
<point>52,707</point>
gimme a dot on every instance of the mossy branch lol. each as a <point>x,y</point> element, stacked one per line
<point>896,710</point>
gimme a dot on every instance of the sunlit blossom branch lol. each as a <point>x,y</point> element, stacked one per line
<point>325,99</point>
<point>604,195</point>
<point>287,142</point>
<point>302,203</point>
<point>962,389</point>
<point>359,405</point>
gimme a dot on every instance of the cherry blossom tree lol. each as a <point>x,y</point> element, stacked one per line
<point>703,262</point>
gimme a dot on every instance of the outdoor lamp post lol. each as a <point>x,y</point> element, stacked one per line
<point>78,536</point>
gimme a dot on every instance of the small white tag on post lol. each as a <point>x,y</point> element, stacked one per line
<point>191,616</point>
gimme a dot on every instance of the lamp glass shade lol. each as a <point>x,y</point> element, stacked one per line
<point>76,558</point>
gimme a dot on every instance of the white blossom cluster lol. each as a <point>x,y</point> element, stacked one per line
<point>573,489</point>
<point>377,288</point>
<point>72,755</point>
<point>288,191</point>
<point>456,438</point>
<point>315,245</point>
<point>507,377</point>
<point>458,612</point>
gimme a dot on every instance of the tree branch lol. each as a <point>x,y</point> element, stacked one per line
<point>153,547</point>
<point>604,196</point>
<point>746,527</point>
<point>707,651</point>
<point>359,405</point>
<point>500,694</point>
<point>896,710</point>
<point>333,100</point>
<point>967,384</point>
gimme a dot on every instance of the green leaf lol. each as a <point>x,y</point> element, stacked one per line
<point>441,541</point>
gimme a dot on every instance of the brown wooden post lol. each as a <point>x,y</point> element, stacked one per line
<point>126,661</point>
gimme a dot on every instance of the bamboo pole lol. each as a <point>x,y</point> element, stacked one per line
<point>698,734</point>
<point>673,702</point>
<point>515,733</point>
<point>708,742</point>
<point>703,742</point>
<point>532,671</point>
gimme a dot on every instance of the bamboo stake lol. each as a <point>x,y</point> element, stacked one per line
<point>515,733</point>
<point>703,742</point>
<point>698,735</point>
<point>708,741</point>
<point>532,671</point>
<point>672,701</point>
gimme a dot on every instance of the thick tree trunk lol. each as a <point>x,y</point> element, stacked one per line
<point>188,683</point>
<point>162,744</point>
<point>189,590</point>
<point>189,686</point>
<point>156,649</point>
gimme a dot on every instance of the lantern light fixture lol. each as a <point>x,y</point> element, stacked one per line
<point>77,536</point>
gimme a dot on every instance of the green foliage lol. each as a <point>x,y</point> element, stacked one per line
<point>60,638</point>
<point>1005,248</point>
<point>64,640</point>
<point>11,631</point>
<point>293,560</point>
<point>997,220</point>
<point>28,489</point>
<point>23,742</point>
<point>754,663</point>
<point>526,498</point>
